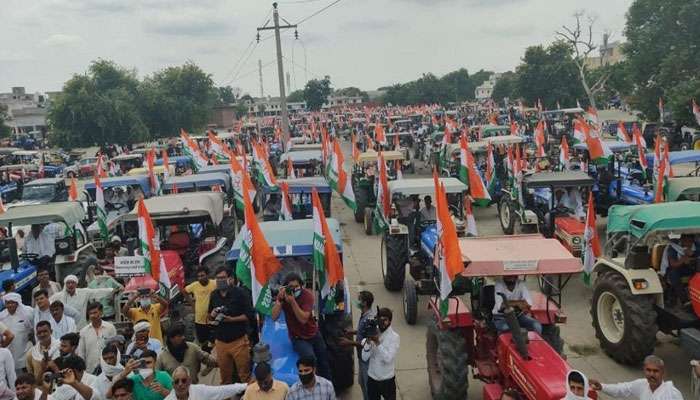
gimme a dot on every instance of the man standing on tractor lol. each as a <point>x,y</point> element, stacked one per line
<point>41,243</point>
<point>518,296</point>
<point>653,387</point>
<point>298,304</point>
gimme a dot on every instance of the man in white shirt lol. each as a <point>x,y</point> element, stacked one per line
<point>183,389</point>
<point>41,243</point>
<point>380,352</point>
<point>18,319</point>
<point>45,282</point>
<point>42,310</point>
<point>26,388</point>
<point>78,298</point>
<point>77,384</point>
<point>518,297</point>
<point>142,341</point>
<point>94,336</point>
<point>428,212</point>
<point>7,375</point>
<point>60,322</point>
<point>653,387</point>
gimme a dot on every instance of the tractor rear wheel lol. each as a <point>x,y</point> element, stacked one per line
<point>228,228</point>
<point>368,221</point>
<point>394,256</point>
<point>506,216</point>
<point>624,323</point>
<point>361,199</point>
<point>410,301</point>
<point>448,363</point>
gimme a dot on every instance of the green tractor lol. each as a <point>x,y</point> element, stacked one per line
<point>632,300</point>
<point>363,181</point>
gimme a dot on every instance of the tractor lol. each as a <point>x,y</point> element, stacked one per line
<point>463,336</point>
<point>299,196</point>
<point>42,191</point>
<point>364,173</point>
<point>74,253</point>
<point>408,239</point>
<point>534,206</point>
<point>292,243</point>
<point>632,301</point>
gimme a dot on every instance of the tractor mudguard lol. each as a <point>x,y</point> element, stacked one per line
<point>647,276</point>
<point>458,314</point>
<point>71,258</point>
<point>219,245</point>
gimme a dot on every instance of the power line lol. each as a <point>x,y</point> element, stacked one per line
<point>266,20</point>
<point>298,1</point>
<point>318,12</point>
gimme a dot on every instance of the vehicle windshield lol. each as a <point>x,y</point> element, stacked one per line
<point>38,193</point>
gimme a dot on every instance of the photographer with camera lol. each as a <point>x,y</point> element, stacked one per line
<point>366,326</point>
<point>229,308</point>
<point>71,380</point>
<point>298,304</point>
<point>380,352</point>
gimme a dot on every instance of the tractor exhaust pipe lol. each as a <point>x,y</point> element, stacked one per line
<point>519,335</point>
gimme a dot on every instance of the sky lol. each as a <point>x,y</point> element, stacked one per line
<point>362,43</point>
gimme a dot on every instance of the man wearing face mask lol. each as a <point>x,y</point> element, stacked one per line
<point>310,385</point>
<point>110,368</point>
<point>149,384</point>
<point>229,308</point>
<point>365,300</point>
<point>298,304</point>
<point>380,352</point>
<point>265,386</point>
<point>151,307</point>
<point>179,352</point>
<point>518,296</point>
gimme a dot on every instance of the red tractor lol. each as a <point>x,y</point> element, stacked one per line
<point>466,337</point>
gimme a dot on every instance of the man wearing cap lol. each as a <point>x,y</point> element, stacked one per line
<point>142,340</point>
<point>41,243</point>
<point>116,246</point>
<point>78,298</point>
<point>18,319</point>
<point>101,280</point>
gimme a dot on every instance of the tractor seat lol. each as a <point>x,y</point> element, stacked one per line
<point>657,254</point>
<point>179,241</point>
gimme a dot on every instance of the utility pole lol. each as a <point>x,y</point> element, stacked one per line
<point>280,68</point>
<point>262,92</point>
<point>289,83</point>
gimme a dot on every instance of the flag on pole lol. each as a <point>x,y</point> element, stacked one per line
<point>637,132</point>
<point>383,205</point>
<point>239,175</point>
<point>355,150</point>
<point>379,134</point>
<point>469,212</point>
<point>100,209</point>
<point>592,117</point>
<point>490,174</point>
<point>448,256</point>
<point>397,167</point>
<point>469,174</point>
<point>327,262</point>
<point>539,139</point>
<point>256,262</point>
<point>217,146</point>
<point>113,169</point>
<point>191,149</point>
<point>152,177</point>
<point>339,178</point>
<point>591,242</point>
<point>166,163</point>
<point>73,190</point>
<point>100,166</point>
<point>696,111</point>
<point>149,243</point>
<point>579,135</point>
<point>598,151</point>
<point>622,134</point>
<point>564,158</point>
<point>286,206</point>
<point>265,172</point>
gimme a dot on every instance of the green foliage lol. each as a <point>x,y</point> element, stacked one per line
<point>456,86</point>
<point>225,95</point>
<point>316,92</point>
<point>4,129</point>
<point>352,92</point>
<point>296,96</point>
<point>505,87</point>
<point>663,55</point>
<point>617,84</point>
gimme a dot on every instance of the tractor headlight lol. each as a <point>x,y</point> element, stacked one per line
<point>576,240</point>
<point>640,284</point>
<point>62,245</point>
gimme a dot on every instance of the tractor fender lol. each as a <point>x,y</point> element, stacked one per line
<point>65,259</point>
<point>649,275</point>
<point>219,245</point>
<point>458,313</point>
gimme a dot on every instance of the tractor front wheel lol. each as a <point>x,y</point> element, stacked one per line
<point>394,257</point>
<point>410,301</point>
<point>368,221</point>
<point>506,216</point>
<point>361,201</point>
<point>625,324</point>
<point>448,363</point>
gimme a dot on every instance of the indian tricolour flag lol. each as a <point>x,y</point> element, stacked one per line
<point>379,134</point>
<point>636,131</point>
<point>622,134</point>
<point>598,151</point>
<point>564,153</point>
<point>166,163</point>
<point>469,174</point>
<point>641,150</point>
<point>579,135</point>
<point>191,149</point>
<point>327,262</point>
<point>149,243</point>
<point>490,174</point>
<point>256,262</point>
<point>73,190</point>
<point>591,242</point>
<point>539,139</point>
<point>469,212</point>
<point>383,205</point>
<point>355,150</point>
<point>217,146</point>
<point>265,172</point>
<point>238,176</point>
<point>448,256</point>
<point>339,178</point>
<point>100,209</point>
<point>152,177</point>
<point>286,204</point>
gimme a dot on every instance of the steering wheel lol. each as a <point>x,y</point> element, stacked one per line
<point>29,256</point>
<point>425,223</point>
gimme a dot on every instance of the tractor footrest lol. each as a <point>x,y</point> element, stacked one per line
<point>487,370</point>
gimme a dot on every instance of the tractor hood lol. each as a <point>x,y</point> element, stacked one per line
<point>640,221</point>
<point>68,212</point>
<point>428,239</point>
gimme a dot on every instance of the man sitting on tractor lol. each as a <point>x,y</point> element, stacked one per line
<point>41,243</point>
<point>518,296</point>
<point>679,262</point>
<point>427,213</point>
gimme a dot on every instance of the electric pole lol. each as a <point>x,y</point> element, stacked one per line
<point>262,92</point>
<point>280,68</point>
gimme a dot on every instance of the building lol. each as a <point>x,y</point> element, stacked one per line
<point>270,106</point>
<point>610,54</point>
<point>27,112</point>
<point>485,90</point>
<point>341,101</point>
<point>223,116</point>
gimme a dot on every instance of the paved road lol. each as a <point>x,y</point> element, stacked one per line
<point>361,260</point>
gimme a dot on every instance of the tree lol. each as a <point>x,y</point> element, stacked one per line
<point>580,40</point>
<point>296,96</point>
<point>352,92</point>
<point>4,117</point>
<point>177,97</point>
<point>98,108</point>
<point>663,55</point>
<point>459,87</point>
<point>316,92</point>
<point>226,95</point>
<point>505,86</point>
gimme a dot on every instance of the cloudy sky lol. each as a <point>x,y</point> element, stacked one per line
<point>364,43</point>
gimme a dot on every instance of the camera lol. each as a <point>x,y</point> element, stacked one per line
<point>220,313</point>
<point>56,378</point>
<point>371,328</point>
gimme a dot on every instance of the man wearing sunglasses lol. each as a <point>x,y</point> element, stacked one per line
<point>184,389</point>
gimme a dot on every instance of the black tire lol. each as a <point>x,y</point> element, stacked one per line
<point>368,221</point>
<point>410,301</point>
<point>448,363</point>
<point>361,200</point>
<point>394,255</point>
<point>506,216</point>
<point>228,228</point>
<point>638,319</point>
<point>552,334</point>
<point>257,202</point>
